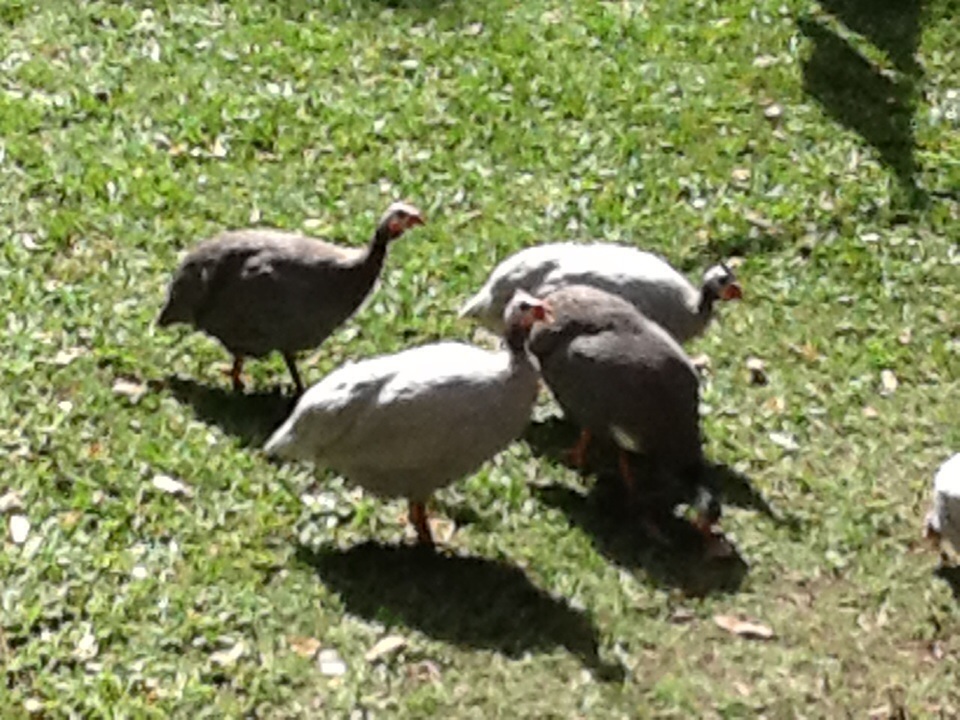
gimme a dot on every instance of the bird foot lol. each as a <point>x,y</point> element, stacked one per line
<point>577,455</point>
<point>715,542</point>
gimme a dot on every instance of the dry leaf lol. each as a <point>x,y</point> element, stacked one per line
<point>331,664</point>
<point>33,705</point>
<point>388,645</point>
<point>701,362</point>
<point>784,440</point>
<point>773,112</point>
<point>776,404</point>
<point>305,647</point>
<point>67,356</point>
<point>218,150</point>
<point>889,382</point>
<point>473,29</point>
<point>10,501</point>
<point>870,412</point>
<point>741,175</point>
<point>906,336</point>
<point>87,647</point>
<point>757,369</point>
<point>19,528</point>
<point>424,671</point>
<point>226,658</point>
<point>681,615</point>
<point>764,61</point>
<point>167,484</point>
<point>743,628</point>
<point>129,388</point>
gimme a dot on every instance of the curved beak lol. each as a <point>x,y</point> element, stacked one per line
<point>733,291</point>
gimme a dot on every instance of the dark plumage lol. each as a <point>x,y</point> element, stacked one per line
<point>618,374</point>
<point>259,291</point>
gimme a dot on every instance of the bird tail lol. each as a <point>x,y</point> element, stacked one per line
<point>474,307</point>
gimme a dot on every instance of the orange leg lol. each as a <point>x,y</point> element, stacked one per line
<point>418,517</point>
<point>629,482</point>
<point>235,371</point>
<point>714,542</point>
<point>577,455</point>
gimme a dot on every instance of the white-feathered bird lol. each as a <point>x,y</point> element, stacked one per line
<point>406,424</point>
<point>646,280</point>
<point>943,520</point>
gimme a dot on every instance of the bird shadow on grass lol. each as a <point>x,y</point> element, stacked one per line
<point>251,417</point>
<point>554,435</point>
<point>950,574</point>
<point>471,601</point>
<point>619,535</point>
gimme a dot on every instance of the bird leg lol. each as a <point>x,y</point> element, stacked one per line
<point>715,543</point>
<point>577,455</point>
<point>235,373</point>
<point>417,513</point>
<point>629,482</point>
<point>292,367</point>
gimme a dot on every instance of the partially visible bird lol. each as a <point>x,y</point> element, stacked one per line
<point>403,425</point>
<point>259,291</point>
<point>646,280</point>
<point>620,375</point>
<point>943,519</point>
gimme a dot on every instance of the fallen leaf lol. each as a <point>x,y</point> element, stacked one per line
<point>701,362</point>
<point>741,175</point>
<point>906,336</point>
<point>10,501</point>
<point>305,647</point>
<point>743,628</point>
<point>226,658</point>
<point>331,664</point>
<point>139,572</point>
<point>776,404</point>
<point>784,440</point>
<point>67,356</point>
<point>130,389</point>
<point>742,689</point>
<point>388,645</point>
<point>757,369</point>
<point>218,150</point>
<point>764,61</point>
<point>19,528</point>
<point>870,412</point>
<point>773,112</point>
<point>889,382</point>
<point>424,671</point>
<point>33,705</point>
<point>473,29</point>
<point>87,647</point>
<point>682,615</point>
<point>170,485</point>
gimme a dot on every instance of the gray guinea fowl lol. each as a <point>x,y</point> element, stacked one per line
<point>259,291</point>
<point>618,374</point>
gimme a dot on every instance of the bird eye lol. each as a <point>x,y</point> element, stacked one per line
<point>525,306</point>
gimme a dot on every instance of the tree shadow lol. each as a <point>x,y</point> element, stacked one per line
<point>551,437</point>
<point>250,417</point>
<point>877,105</point>
<point>469,601</point>
<point>892,25</point>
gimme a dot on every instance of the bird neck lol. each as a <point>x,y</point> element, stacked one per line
<point>707,298</point>
<point>376,250</point>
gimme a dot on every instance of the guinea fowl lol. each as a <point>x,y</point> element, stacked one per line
<point>618,374</point>
<point>642,278</point>
<point>403,425</point>
<point>259,291</point>
<point>943,520</point>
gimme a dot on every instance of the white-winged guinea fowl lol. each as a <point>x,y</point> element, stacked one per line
<point>259,290</point>
<point>620,375</point>
<point>943,520</point>
<point>646,280</point>
<point>406,424</point>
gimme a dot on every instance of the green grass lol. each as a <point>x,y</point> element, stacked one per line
<point>128,134</point>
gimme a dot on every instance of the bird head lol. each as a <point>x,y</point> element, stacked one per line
<point>524,310</point>
<point>399,218</point>
<point>719,281</point>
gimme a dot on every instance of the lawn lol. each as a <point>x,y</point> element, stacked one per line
<point>818,143</point>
